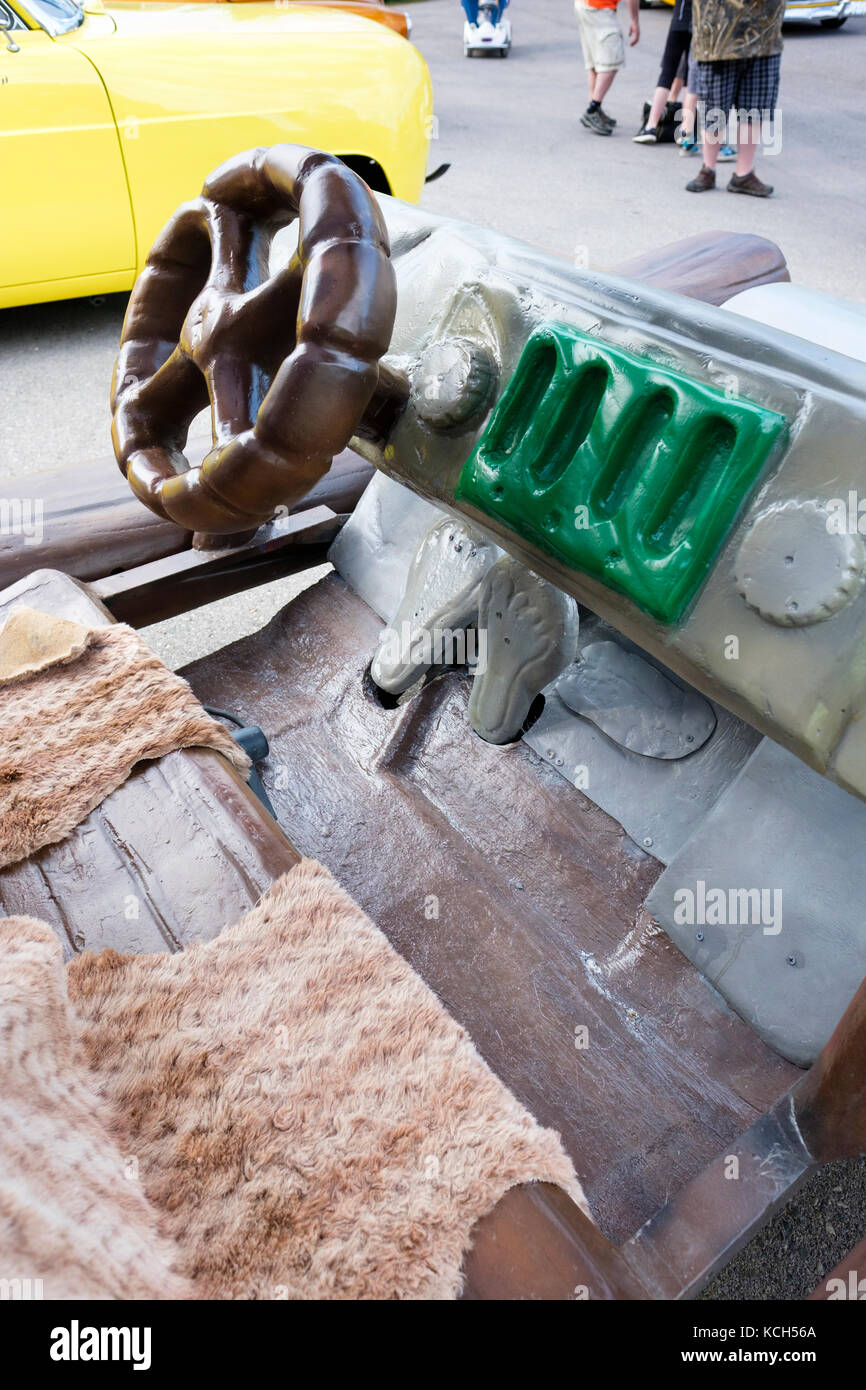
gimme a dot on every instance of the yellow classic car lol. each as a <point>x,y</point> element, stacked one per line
<point>397,20</point>
<point>109,117</point>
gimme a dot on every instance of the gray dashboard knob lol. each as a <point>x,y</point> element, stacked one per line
<point>453,383</point>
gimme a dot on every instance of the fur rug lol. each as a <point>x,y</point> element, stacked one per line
<point>71,1210</point>
<point>76,716</point>
<point>306,1116</point>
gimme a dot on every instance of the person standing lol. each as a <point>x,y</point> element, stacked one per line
<point>687,137</point>
<point>675,51</point>
<point>470,9</point>
<point>677,73</point>
<point>738,56</point>
<point>603,54</point>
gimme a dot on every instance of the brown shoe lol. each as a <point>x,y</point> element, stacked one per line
<point>751,184</point>
<point>703,181</point>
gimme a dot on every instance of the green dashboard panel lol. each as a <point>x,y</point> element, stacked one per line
<point>628,471</point>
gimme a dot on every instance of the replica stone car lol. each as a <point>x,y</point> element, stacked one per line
<point>623,844</point>
<point>110,118</point>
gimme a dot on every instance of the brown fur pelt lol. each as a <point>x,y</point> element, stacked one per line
<point>71,733</point>
<point>308,1117</point>
<point>72,1212</point>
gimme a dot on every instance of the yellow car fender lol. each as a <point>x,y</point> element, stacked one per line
<point>106,128</point>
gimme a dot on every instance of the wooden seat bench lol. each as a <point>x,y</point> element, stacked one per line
<point>176,853</point>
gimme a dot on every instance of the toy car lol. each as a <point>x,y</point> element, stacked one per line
<point>490,34</point>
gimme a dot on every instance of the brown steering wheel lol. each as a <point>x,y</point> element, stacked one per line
<point>288,362</point>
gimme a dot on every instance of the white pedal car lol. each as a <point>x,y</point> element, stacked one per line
<point>489,35</point>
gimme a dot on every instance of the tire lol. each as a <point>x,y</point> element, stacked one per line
<point>833,23</point>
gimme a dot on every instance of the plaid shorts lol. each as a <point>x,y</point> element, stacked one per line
<point>744,84</point>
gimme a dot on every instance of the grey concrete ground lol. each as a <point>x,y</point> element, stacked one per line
<point>546,179</point>
<point>522,164</point>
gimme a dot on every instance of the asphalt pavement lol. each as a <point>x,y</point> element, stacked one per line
<point>522,164</point>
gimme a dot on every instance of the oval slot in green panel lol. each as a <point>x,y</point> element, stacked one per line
<point>637,438</point>
<point>510,423</point>
<point>705,458</point>
<point>570,425</point>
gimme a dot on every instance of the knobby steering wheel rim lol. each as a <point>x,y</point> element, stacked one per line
<point>288,363</point>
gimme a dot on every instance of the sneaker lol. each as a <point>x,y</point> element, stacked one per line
<point>703,181</point>
<point>751,184</point>
<point>647,135</point>
<point>726,154</point>
<point>689,146</point>
<point>594,121</point>
<point>611,120</point>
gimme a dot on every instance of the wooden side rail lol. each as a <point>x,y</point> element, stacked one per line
<point>163,588</point>
<point>537,1244</point>
<point>847,1280</point>
<point>85,521</point>
<point>830,1101</point>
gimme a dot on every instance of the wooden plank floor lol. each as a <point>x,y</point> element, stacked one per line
<point>540,930</point>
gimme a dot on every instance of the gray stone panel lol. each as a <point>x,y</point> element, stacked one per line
<point>782,828</point>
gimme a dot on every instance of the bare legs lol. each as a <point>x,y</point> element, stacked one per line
<point>748,139</point>
<point>660,100</point>
<point>747,145</point>
<point>599,83</point>
<point>689,120</point>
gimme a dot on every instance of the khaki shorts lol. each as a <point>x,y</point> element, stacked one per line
<point>601,37</point>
